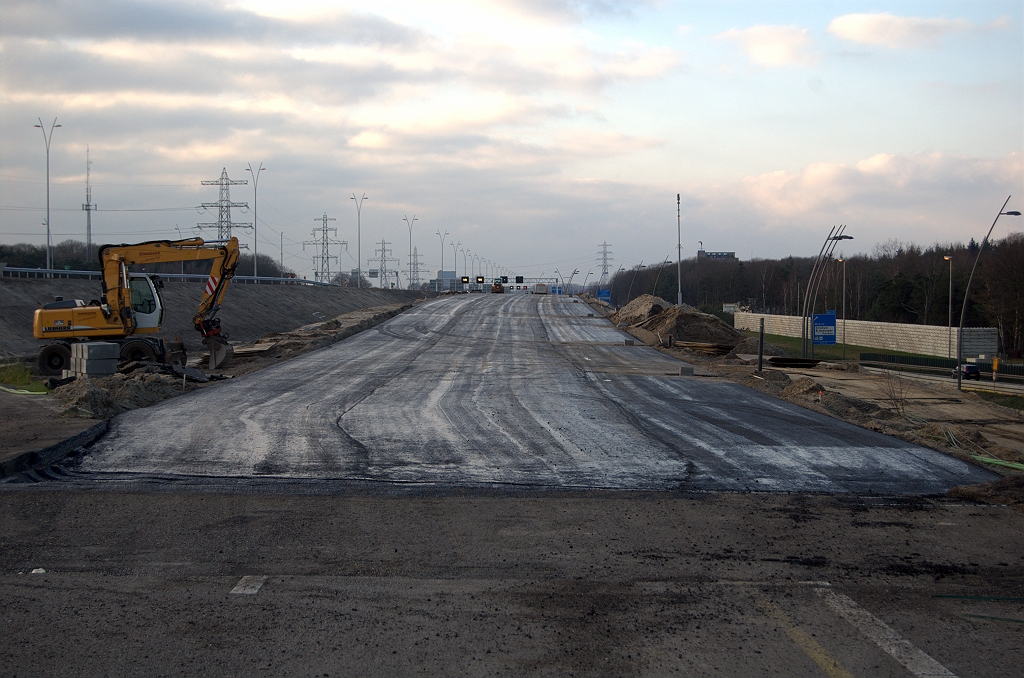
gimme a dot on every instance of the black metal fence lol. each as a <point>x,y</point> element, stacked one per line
<point>984,366</point>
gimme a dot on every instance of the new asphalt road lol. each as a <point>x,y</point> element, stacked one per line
<point>505,391</point>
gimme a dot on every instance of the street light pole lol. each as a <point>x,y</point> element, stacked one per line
<point>359,238</point>
<point>409,224</point>
<point>963,309</point>
<point>255,180</point>
<point>949,341</point>
<point>441,272</point>
<point>843,262</point>
<point>46,140</point>
<point>679,254</point>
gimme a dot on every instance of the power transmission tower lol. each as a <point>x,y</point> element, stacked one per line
<point>414,271</point>
<point>605,259</point>
<point>224,205</point>
<point>383,260</point>
<point>88,206</point>
<point>323,241</point>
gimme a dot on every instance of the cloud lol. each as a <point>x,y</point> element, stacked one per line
<point>772,46</point>
<point>577,10</point>
<point>889,30</point>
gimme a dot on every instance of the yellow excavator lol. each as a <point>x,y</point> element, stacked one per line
<point>131,309</point>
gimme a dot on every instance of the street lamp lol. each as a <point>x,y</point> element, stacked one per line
<point>359,238</point>
<point>409,224</point>
<point>843,262</point>
<point>949,341</point>
<point>679,254</point>
<point>455,263</point>
<point>440,276</point>
<point>834,236</point>
<point>255,180</point>
<point>465,267</point>
<point>46,140</point>
<point>963,309</point>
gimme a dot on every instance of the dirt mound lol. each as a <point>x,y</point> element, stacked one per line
<point>684,325</point>
<point>106,396</point>
<point>749,347</point>
<point>640,309</point>
<point>803,386</point>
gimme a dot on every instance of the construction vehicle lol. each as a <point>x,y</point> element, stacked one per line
<point>497,287</point>
<point>131,309</point>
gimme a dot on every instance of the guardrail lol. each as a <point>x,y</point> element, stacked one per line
<point>12,272</point>
<point>984,366</point>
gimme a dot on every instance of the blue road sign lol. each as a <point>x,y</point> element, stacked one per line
<point>604,295</point>
<point>824,328</point>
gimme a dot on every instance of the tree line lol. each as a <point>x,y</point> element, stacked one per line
<point>898,282</point>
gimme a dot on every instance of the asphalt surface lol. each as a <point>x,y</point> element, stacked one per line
<point>504,391</point>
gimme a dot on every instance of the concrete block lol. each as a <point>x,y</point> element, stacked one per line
<point>686,370</point>
<point>96,350</point>
<point>96,368</point>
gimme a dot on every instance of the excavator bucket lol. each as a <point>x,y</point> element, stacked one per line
<point>220,351</point>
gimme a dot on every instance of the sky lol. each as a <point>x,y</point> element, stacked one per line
<point>531,131</point>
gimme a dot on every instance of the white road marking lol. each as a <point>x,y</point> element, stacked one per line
<point>898,647</point>
<point>249,584</point>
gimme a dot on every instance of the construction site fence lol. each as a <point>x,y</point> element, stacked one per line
<point>9,272</point>
<point>984,366</point>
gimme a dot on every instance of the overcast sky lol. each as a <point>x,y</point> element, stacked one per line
<point>531,130</point>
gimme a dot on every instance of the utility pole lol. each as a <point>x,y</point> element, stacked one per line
<point>255,181</point>
<point>281,272</point>
<point>679,254</point>
<point>605,257</point>
<point>224,205</point>
<point>359,237</point>
<point>323,242</point>
<point>88,206</point>
<point>46,140</point>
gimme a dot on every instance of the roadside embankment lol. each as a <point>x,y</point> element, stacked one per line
<point>248,313</point>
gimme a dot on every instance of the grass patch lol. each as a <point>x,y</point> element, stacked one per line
<point>18,376</point>
<point>791,345</point>
<point>1004,399</point>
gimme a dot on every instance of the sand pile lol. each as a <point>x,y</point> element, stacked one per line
<point>640,309</point>
<point>106,396</point>
<point>684,325</point>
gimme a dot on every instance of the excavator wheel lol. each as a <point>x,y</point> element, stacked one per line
<point>54,359</point>
<point>137,349</point>
<point>220,351</point>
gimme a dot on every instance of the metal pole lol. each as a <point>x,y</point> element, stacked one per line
<point>282,255</point>
<point>359,238</point>
<point>679,254</point>
<point>760,346</point>
<point>255,221</point>
<point>441,272</point>
<point>963,309</point>
<point>949,341</point>
<point>844,308</point>
<point>807,294</point>
<point>46,140</point>
<point>409,224</point>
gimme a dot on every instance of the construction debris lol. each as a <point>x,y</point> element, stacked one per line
<point>640,309</point>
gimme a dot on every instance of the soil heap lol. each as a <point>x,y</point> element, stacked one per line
<point>640,309</point>
<point>691,325</point>
<point>102,398</point>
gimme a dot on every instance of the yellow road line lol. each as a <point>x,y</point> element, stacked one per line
<point>829,664</point>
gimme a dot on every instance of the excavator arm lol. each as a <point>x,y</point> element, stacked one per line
<point>115,260</point>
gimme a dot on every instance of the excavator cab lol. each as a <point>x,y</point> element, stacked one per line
<point>147,305</point>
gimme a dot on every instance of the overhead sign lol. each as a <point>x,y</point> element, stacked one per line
<point>604,295</point>
<point>824,328</point>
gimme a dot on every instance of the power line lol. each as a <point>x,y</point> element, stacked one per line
<point>605,257</point>
<point>323,242</point>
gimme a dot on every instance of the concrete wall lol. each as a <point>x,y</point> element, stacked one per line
<point>926,339</point>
